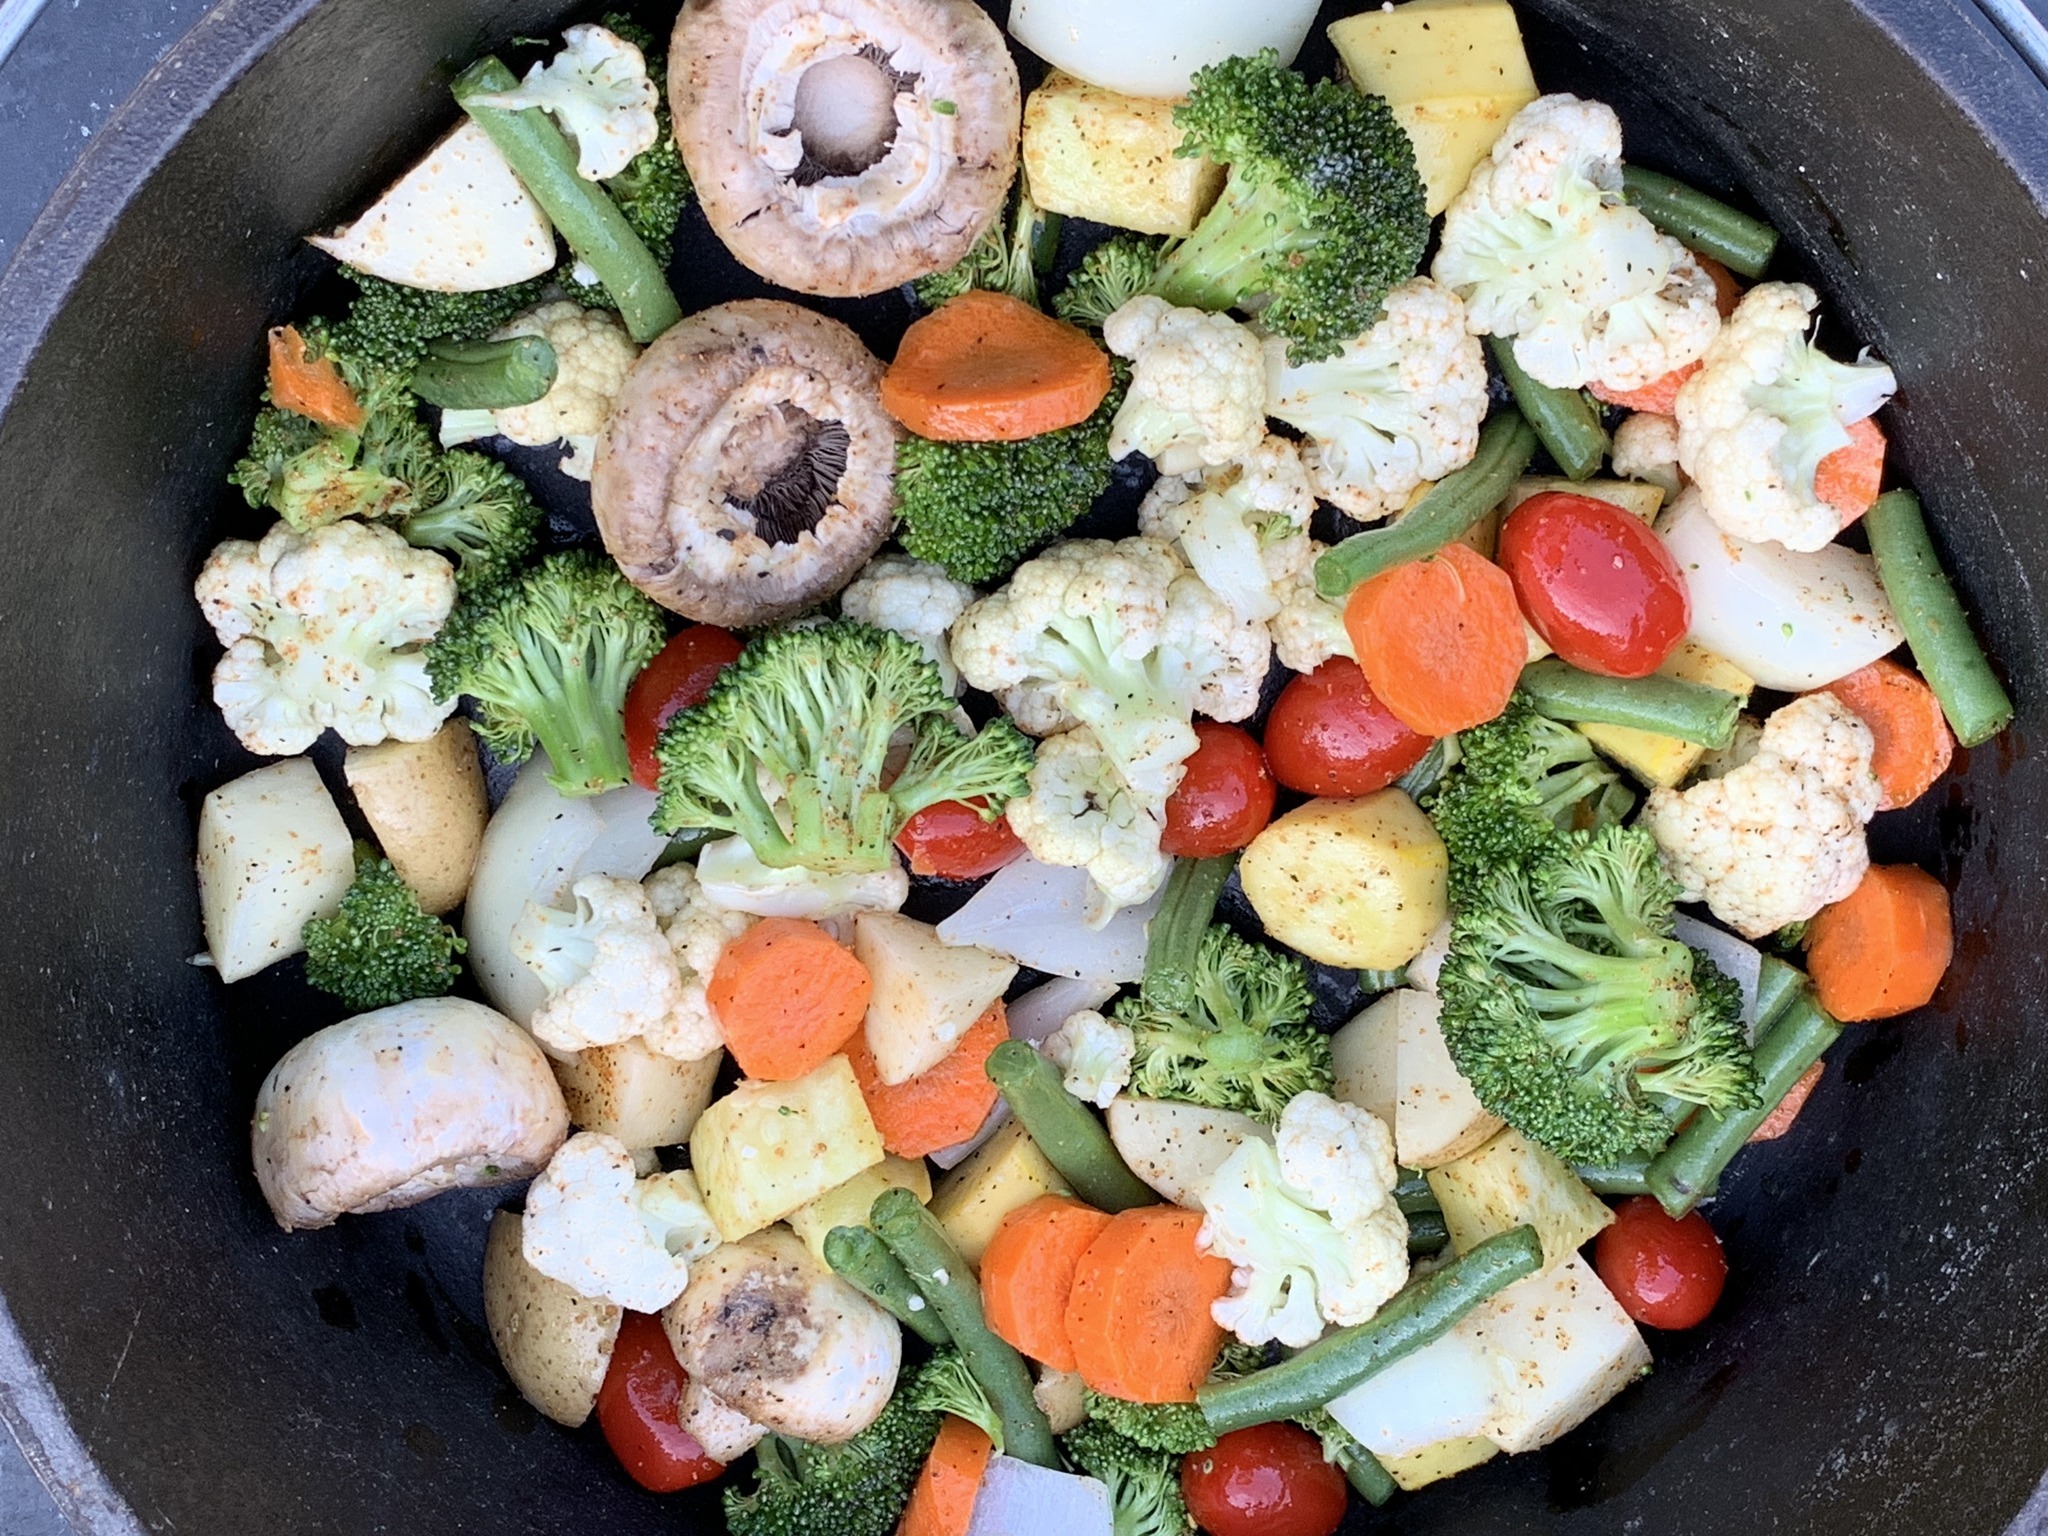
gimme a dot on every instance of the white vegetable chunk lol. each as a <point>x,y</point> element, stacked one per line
<point>1032,1017</point>
<point>926,994</point>
<point>733,878</point>
<point>1177,1148</point>
<point>1444,1391</point>
<point>273,854</point>
<point>1019,1499</point>
<point>554,1344</point>
<point>1153,47</point>
<point>1567,1348</point>
<point>1037,915</point>
<point>1436,1116</point>
<point>458,222</point>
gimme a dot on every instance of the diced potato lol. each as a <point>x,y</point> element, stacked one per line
<point>1176,1148</point>
<point>554,1344</point>
<point>849,1204</point>
<point>1633,496</point>
<point>1366,1060</point>
<point>1512,1182</point>
<point>926,994</point>
<point>425,801</point>
<point>1538,646</point>
<point>1435,1115</point>
<point>1434,1463</point>
<point>767,1148</point>
<point>1356,883</point>
<point>1448,1390</point>
<point>1665,761</point>
<point>1568,1349</point>
<point>273,855</point>
<point>629,1091</point>
<point>1093,154</point>
<point>972,1200</point>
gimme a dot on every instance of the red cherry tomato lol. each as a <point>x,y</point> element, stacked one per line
<point>1665,1273</point>
<point>1270,1480</point>
<point>680,675</point>
<point>1597,584</point>
<point>1225,799</point>
<point>639,1407</point>
<point>1330,735</point>
<point>952,842</point>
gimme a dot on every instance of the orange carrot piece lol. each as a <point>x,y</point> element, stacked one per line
<point>1849,478</point>
<point>1914,743</point>
<point>1027,1275</point>
<point>1440,640</point>
<point>941,1106</point>
<point>310,385</point>
<point>942,1502</point>
<point>986,367</point>
<point>1883,949</point>
<point>1780,1120</point>
<point>1727,286</point>
<point>1658,397</point>
<point>1138,1316</point>
<point>787,997</point>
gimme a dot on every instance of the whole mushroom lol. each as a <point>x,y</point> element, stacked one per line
<point>845,147</point>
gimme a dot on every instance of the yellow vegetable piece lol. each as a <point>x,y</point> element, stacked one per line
<point>1357,883</point>
<point>1664,761</point>
<point>1512,1182</point>
<point>1633,496</point>
<point>767,1148</point>
<point>1094,154</point>
<point>849,1204</point>
<point>1434,1463</point>
<point>972,1200</point>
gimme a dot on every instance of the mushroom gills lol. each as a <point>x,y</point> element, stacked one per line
<point>782,470</point>
<point>844,114</point>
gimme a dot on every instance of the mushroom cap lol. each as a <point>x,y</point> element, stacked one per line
<point>718,455</point>
<point>887,166</point>
<point>389,1108</point>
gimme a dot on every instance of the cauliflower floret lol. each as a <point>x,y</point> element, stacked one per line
<point>1082,814</point>
<point>917,601</point>
<point>1309,628</point>
<point>1309,1222</point>
<point>1763,411</point>
<point>1541,247</point>
<point>1399,406</point>
<point>607,1235</point>
<point>611,974</point>
<point>1197,396</point>
<point>598,92</point>
<point>1773,841</point>
<point>698,929</point>
<point>324,629</point>
<point>593,354</point>
<point>1243,527</point>
<point>1095,1054</point>
<point>1646,448</point>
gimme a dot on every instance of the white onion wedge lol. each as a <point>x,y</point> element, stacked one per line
<point>1037,914</point>
<point>1153,47</point>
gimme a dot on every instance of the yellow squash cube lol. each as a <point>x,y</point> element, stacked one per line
<point>1094,154</point>
<point>849,1204</point>
<point>1357,883</point>
<point>767,1148</point>
<point>1512,1182</point>
<point>1434,1463</point>
<point>1633,496</point>
<point>1664,761</point>
<point>972,1200</point>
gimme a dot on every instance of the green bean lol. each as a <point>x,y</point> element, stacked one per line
<point>1949,657</point>
<point>1422,778</point>
<point>935,1266</point>
<point>1702,223</point>
<point>1447,513</point>
<point>1413,1193</point>
<point>1065,1129</point>
<point>1174,936</point>
<point>1428,1232</point>
<point>1624,1178</point>
<point>1567,422</point>
<point>486,375</point>
<point>588,219</point>
<point>1374,982</point>
<point>1368,1478</point>
<point>1689,1170</point>
<point>864,1262</point>
<point>684,847</point>
<point>1777,984</point>
<point>1425,1311</point>
<point>1664,706</point>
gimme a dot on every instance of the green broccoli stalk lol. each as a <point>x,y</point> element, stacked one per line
<point>388,326</point>
<point>1013,255</point>
<point>1109,277</point>
<point>813,712</point>
<point>380,948</point>
<point>1322,212</point>
<point>482,517</point>
<point>1567,1002</point>
<point>945,1385</point>
<point>548,658</point>
<point>1144,1485</point>
<point>856,1489</point>
<point>1243,1041</point>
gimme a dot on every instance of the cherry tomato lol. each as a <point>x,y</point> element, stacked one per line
<point>952,842</point>
<point>1596,583</point>
<point>1225,799</point>
<point>639,1407</point>
<point>1270,1480</point>
<point>1330,735</point>
<point>680,675</point>
<point>1665,1273</point>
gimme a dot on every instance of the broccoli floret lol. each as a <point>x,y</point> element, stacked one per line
<point>482,516</point>
<point>1144,1485</point>
<point>1322,212</point>
<point>1109,277</point>
<point>548,658</point>
<point>388,326</point>
<point>1013,254</point>
<point>855,1489</point>
<point>979,509</point>
<point>276,442</point>
<point>945,1385</point>
<point>1568,1003</point>
<point>1521,782</point>
<point>813,711</point>
<point>380,948</point>
<point>1243,1042</point>
<point>1175,1427</point>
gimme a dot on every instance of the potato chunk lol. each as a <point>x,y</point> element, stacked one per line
<point>1512,1182</point>
<point>636,1094</point>
<point>972,1200</point>
<point>425,801</point>
<point>1436,1116</point>
<point>926,994</point>
<point>1356,883</point>
<point>849,1204</point>
<point>1094,154</point>
<point>273,855</point>
<point>767,1148</point>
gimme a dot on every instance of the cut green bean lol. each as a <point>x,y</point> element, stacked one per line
<point>935,1266</point>
<point>1947,652</point>
<point>1663,706</point>
<point>1374,982</point>
<point>1422,778</point>
<point>864,1262</point>
<point>1450,510</point>
<point>1425,1311</point>
<point>1065,1129</point>
<point>486,375</point>
<point>1413,1193</point>
<point>1624,1178</point>
<point>1174,936</point>
<point>1368,1477</point>
<point>1427,1232</point>
<point>1777,984</point>
<point>588,219</point>
<point>1701,223</point>
<point>1566,421</point>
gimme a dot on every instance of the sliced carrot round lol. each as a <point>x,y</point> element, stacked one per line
<point>942,1502</point>
<point>1914,743</point>
<point>1027,1275</point>
<point>1440,639</point>
<point>944,1104</point>
<point>1883,949</point>
<point>1138,1316</point>
<point>1657,397</point>
<point>788,997</point>
<point>986,368</point>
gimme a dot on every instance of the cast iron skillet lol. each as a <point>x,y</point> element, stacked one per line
<point>1876,1363</point>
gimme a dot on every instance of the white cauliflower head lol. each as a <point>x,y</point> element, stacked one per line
<point>324,629</point>
<point>610,972</point>
<point>593,355</point>
<point>598,92</point>
<point>1309,628</point>
<point>1095,1053</point>
<point>1773,841</point>
<point>1197,396</point>
<point>1646,449</point>
<point>1309,1223</point>
<point>698,929</point>
<point>1399,406</point>
<point>588,1226</point>
<point>1541,247</point>
<point>913,599</point>
<point>1243,527</point>
<point>1082,813</point>
<point>1763,411</point>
